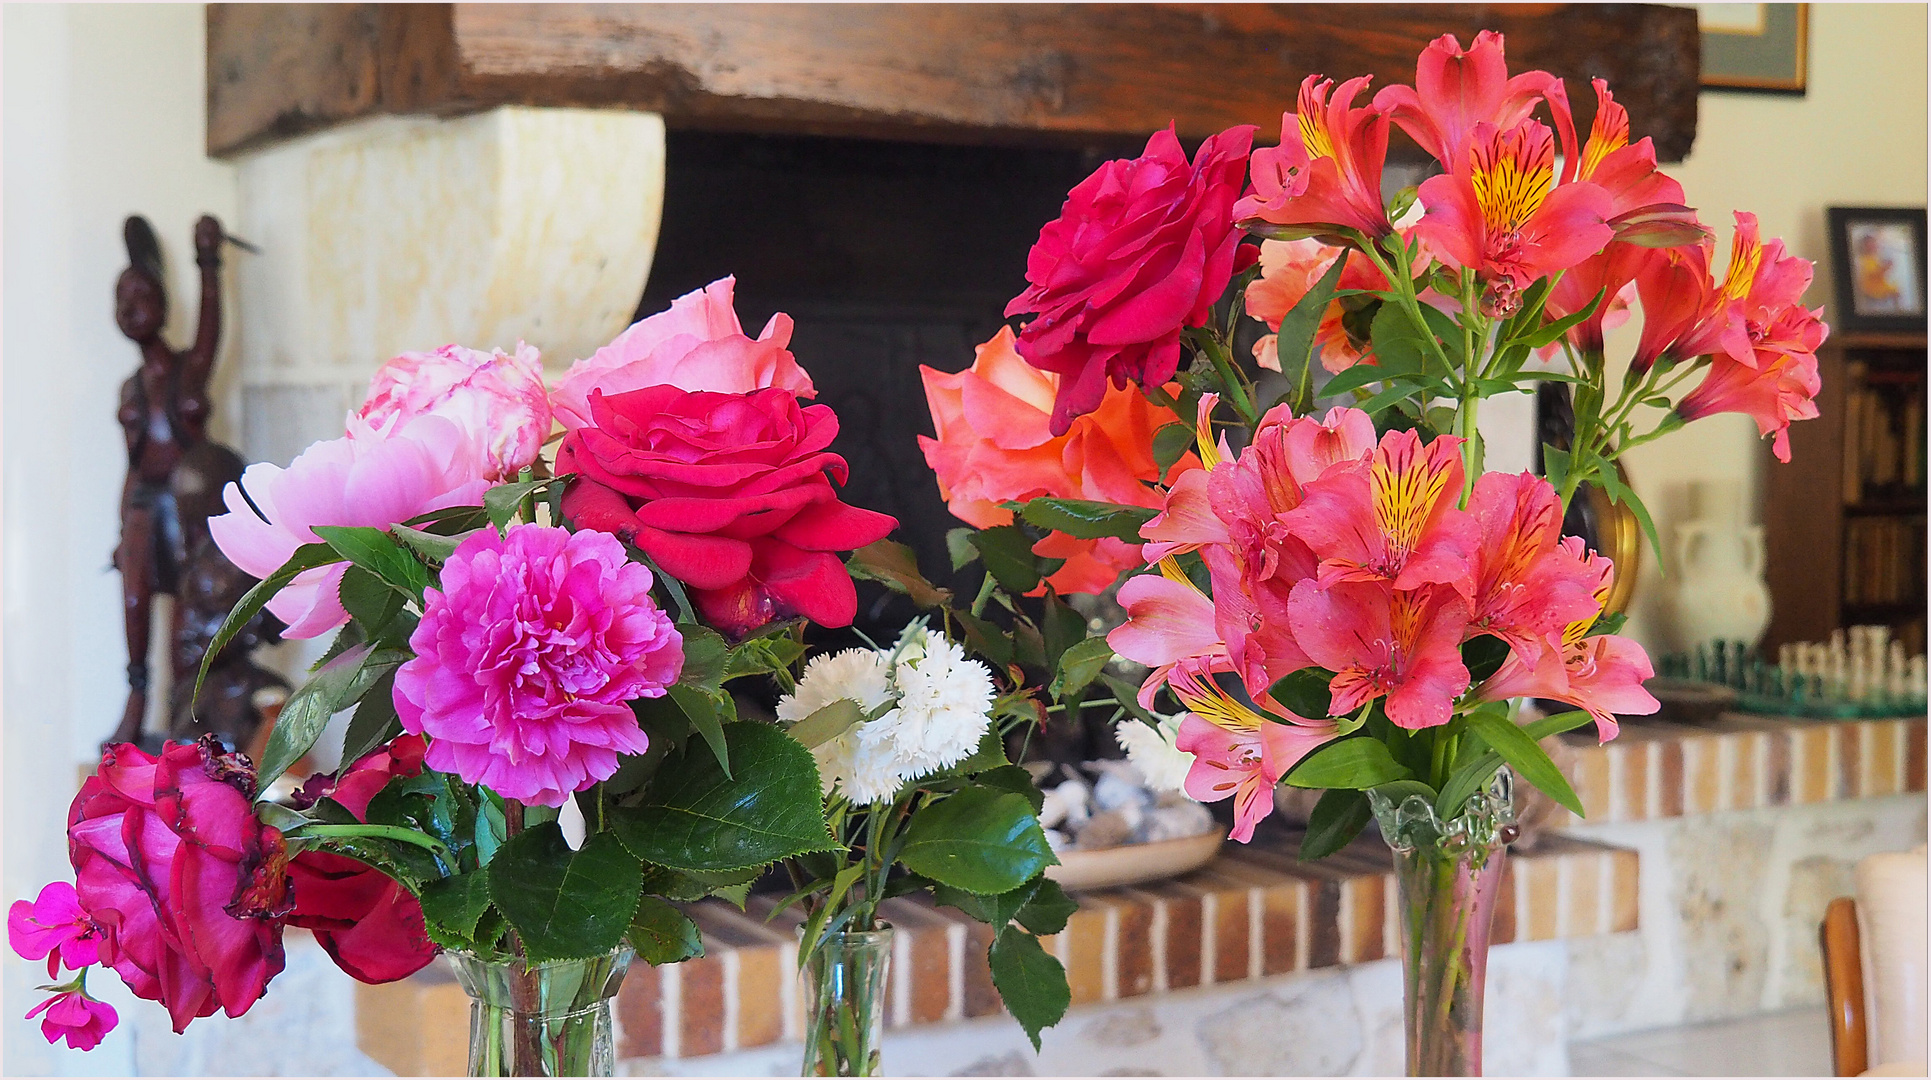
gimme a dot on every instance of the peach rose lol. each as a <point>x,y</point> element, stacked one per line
<point>994,445</point>
<point>696,345</point>
<point>1289,268</point>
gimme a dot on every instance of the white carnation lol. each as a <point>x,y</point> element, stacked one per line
<point>944,699</point>
<point>1151,751</point>
<point>858,675</point>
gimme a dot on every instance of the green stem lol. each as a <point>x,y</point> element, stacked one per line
<point>1236,388</point>
<point>382,832</point>
<point>985,593</point>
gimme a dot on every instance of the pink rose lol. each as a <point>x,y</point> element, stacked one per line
<point>697,345</point>
<point>730,494</point>
<point>496,398</point>
<point>372,477</point>
<point>994,445</point>
<point>74,1016</point>
<point>189,889</point>
<point>526,658</point>
<point>369,923</point>
<point>1142,248</point>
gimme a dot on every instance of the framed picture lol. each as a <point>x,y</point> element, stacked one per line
<point>1877,261</point>
<point>1755,46</point>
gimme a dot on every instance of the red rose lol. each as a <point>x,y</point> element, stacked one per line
<point>727,493</point>
<point>370,924</point>
<point>1142,248</point>
<point>189,889</point>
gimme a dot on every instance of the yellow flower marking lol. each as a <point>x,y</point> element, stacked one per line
<point>1404,488</point>
<point>1744,262</point>
<point>1212,704</point>
<point>1572,634</point>
<point>1315,137</point>
<point>1513,175</point>
<point>1607,135</point>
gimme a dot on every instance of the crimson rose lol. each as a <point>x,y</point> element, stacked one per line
<point>728,493</point>
<point>1142,248</point>
<point>189,889</point>
<point>370,924</point>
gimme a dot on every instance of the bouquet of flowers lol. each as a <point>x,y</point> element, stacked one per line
<point>1346,600</point>
<point>538,650</point>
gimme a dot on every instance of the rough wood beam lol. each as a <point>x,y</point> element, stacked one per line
<point>990,73</point>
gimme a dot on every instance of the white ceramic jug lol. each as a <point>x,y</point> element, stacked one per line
<point>1719,593</point>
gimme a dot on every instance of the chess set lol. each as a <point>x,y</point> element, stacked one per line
<point>1860,672</point>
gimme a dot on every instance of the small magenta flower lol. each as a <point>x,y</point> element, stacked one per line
<point>72,1015</point>
<point>526,657</point>
<point>55,926</point>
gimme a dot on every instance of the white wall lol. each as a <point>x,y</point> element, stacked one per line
<point>103,117</point>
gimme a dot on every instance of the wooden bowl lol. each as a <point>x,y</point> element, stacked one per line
<point>1131,864</point>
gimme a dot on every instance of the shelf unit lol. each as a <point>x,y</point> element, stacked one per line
<point>1845,519</point>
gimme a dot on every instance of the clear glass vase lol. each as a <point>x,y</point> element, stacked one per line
<point>546,1019</point>
<point>845,1003</point>
<point>1447,874</point>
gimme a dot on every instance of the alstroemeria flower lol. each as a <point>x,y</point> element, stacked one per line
<point>1392,517</point>
<point>1405,644</point>
<point>1645,205</point>
<point>1687,315</point>
<point>1526,587</point>
<point>1455,90</point>
<point>1499,212</point>
<point>1603,674</point>
<point>55,926</point>
<point>1326,172</point>
<point>1169,622</point>
<point>1782,387</point>
<point>1289,269</point>
<point>1611,273</point>
<point>1239,752</point>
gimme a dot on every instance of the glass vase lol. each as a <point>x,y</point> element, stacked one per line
<point>543,1019</point>
<point>1447,875</point>
<point>845,1003</point>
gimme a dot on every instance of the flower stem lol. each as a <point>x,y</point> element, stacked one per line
<point>381,832</point>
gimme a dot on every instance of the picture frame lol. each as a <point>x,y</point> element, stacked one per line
<point>1759,47</point>
<point>1877,267</point>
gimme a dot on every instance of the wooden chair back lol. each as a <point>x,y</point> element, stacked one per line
<point>1844,988</point>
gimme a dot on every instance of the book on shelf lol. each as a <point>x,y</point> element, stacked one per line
<point>1883,439</point>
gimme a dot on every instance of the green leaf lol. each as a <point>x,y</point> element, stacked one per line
<point>705,710</point>
<point>380,554</point>
<point>1170,444</point>
<point>1338,817</point>
<point>455,903</point>
<point>1348,763</point>
<point>1016,780</point>
<point>1468,778</point>
<point>306,557</point>
<point>695,818</point>
<point>995,911</point>
<point>897,568</point>
<point>1079,666</point>
<point>705,657</point>
<point>1549,332</point>
<point>1609,622</point>
<point>1295,341</point>
<point>368,599</point>
<point>502,501</point>
<point>1084,519</point>
<point>1030,982</point>
<point>1620,493</point>
<point>990,754</point>
<point>1528,760</point>
<point>958,544</point>
<point>764,654</point>
<point>1399,347</point>
<point>1304,693</point>
<point>661,934</point>
<point>827,723</point>
<point>565,904</point>
<point>1483,655</point>
<point>986,639</point>
<point>1008,555</point>
<point>1556,724</point>
<point>978,839</point>
<point>375,721</point>
<point>1048,909</point>
<point>1349,378</point>
<point>1555,465</point>
<point>308,709</point>
<point>432,546</point>
<point>1060,629</point>
<point>1127,695</point>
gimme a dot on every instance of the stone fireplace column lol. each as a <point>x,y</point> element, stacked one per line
<point>407,233</point>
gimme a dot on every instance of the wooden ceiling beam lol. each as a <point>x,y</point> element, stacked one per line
<point>1057,74</point>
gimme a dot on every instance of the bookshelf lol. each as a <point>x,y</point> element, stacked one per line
<point>1845,520</point>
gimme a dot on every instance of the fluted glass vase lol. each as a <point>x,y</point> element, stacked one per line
<point>544,1019</point>
<point>845,1003</point>
<point>1447,874</point>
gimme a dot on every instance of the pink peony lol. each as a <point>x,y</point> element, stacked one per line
<point>189,889</point>
<point>373,477</point>
<point>74,1016</point>
<point>525,659</point>
<point>697,345</point>
<point>55,926</point>
<point>497,399</point>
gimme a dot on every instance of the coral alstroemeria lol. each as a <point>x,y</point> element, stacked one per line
<point>1526,587</point>
<point>1392,517</point>
<point>1377,640</point>
<point>1326,172</point>
<point>1603,674</point>
<point>1612,273</point>
<point>1781,389</point>
<point>1499,212</point>
<point>1240,752</point>
<point>1455,90</point>
<point>1646,206</point>
<point>1687,314</point>
<point>1169,622</point>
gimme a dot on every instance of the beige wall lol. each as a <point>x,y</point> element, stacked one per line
<point>1856,139</point>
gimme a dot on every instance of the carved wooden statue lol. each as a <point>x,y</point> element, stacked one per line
<point>174,481</point>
